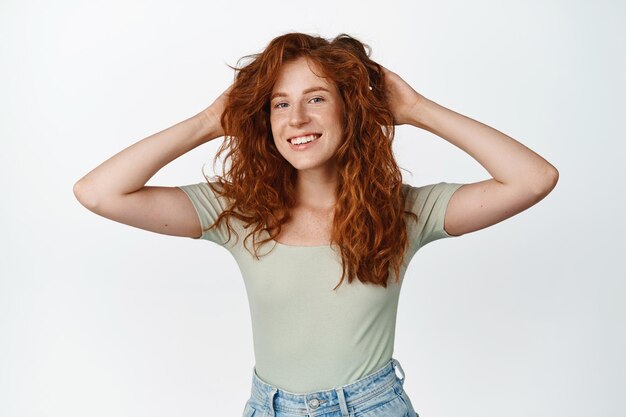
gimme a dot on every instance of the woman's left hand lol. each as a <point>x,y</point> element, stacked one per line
<point>404,101</point>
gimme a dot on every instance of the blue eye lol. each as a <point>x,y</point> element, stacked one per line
<point>282,104</point>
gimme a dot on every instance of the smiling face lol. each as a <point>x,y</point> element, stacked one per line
<point>304,106</point>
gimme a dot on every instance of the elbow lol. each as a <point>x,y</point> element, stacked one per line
<point>76,190</point>
<point>553,177</point>
<point>82,194</point>
<point>549,180</point>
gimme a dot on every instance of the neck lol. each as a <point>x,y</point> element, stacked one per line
<point>317,189</point>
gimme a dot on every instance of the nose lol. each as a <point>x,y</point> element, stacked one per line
<point>298,115</point>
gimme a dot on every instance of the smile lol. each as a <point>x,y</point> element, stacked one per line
<point>304,138</point>
<point>301,143</point>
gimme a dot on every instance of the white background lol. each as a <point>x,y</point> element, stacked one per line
<point>97,318</point>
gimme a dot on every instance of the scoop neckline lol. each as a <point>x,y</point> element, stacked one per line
<point>301,246</point>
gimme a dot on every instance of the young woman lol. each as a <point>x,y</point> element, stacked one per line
<point>313,208</point>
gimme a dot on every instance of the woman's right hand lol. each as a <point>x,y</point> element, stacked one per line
<point>116,188</point>
<point>213,113</point>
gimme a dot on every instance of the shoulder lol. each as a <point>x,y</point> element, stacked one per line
<point>419,198</point>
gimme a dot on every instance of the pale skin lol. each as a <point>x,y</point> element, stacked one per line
<point>302,103</point>
<point>520,178</point>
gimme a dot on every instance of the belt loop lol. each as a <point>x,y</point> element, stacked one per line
<point>342,402</point>
<point>396,364</point>
<point>272,393</point>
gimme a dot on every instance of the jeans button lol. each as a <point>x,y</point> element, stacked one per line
<point>314,403</point>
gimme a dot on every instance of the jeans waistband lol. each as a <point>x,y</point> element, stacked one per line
<point>313,403</point>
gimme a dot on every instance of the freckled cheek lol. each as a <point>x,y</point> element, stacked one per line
<point>275,127</point>
<point>278,120</point>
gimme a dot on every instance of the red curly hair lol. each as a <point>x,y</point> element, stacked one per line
<point>369,225</point>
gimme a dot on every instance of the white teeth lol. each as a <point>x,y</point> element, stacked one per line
<point>304,139</point>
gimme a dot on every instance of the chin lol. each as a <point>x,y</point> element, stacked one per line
<point>303,166</point>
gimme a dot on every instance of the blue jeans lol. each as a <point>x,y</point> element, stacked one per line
<point>375,395</point>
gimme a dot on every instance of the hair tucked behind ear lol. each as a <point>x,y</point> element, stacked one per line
<point>369,225</point>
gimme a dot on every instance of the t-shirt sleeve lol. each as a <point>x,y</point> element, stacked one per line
<point>429,202</point>
<point>208,207</point>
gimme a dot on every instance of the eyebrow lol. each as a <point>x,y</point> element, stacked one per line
<point>307,91</point>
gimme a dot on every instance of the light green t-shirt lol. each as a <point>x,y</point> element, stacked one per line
<point>306,336</point>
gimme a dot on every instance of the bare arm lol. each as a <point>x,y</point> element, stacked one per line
<point>520,177</point>
<point>116,188</point>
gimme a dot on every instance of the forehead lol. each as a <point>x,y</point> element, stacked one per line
<point>299,74</point>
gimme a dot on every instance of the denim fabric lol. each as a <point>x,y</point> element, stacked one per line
<point>379,394</point>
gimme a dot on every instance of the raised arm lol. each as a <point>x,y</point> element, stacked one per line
<point>116,188</point>
<point>521,178</point>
